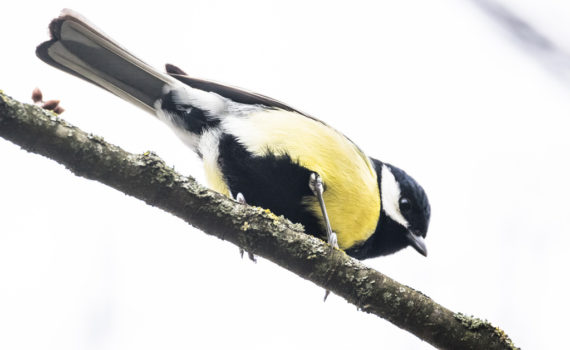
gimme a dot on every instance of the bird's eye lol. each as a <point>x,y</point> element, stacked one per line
<point>405,204</point>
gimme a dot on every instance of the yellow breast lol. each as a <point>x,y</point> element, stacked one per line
<point>351,193</point>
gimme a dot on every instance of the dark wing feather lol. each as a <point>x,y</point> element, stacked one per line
<point>232,93</point>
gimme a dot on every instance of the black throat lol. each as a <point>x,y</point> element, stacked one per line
<point>389,236</point>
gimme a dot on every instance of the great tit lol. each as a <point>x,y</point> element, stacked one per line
<point>268,153</point>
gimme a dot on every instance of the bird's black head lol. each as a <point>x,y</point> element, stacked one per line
<point>404,215</point>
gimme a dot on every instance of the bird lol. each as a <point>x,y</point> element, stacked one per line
<point>257,150</point>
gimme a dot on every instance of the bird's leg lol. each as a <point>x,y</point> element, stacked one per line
<point>316,185</point>
<point>241,199</point>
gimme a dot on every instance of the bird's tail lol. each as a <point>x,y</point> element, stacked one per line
<point>81,49</point>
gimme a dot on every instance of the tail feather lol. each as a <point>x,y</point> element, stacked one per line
<point>79,48</point>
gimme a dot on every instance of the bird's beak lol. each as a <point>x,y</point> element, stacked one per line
<point>417,242</point>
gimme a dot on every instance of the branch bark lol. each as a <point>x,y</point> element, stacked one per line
<point>146,177</point>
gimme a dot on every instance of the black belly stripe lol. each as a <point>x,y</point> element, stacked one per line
<point>277,183</point>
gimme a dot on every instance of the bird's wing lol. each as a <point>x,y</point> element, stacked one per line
<point>244,96</point>
<point>229,92</point>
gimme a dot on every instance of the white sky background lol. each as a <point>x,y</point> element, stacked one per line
<point>435,87</point>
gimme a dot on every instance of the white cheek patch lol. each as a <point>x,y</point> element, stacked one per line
<point>390,196</point>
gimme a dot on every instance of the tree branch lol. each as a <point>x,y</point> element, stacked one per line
<point>146,177</point>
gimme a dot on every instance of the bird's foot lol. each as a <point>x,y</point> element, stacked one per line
<point>333,240</point>
<point>317,187</point>
<point>249,255</point>
<point>241,199</point>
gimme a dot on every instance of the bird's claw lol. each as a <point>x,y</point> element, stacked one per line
<point>333,240</point>
<point>241,199</point>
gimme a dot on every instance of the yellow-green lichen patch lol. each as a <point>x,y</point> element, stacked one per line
<point>504,337</point>
<point>470,322</point>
